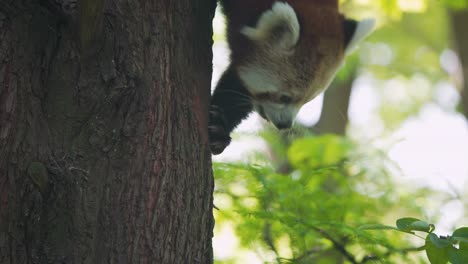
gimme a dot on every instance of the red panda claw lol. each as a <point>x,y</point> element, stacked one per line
<point>218,147</point>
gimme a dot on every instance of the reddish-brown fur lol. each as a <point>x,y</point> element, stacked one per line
<point>265,77</point>
<point>321,40</point>
<point>319,19</point>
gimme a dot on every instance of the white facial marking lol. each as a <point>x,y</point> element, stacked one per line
<point>279,114</point>
<point>258,80</point>
<point>281,17</point>
<point>363,29</point>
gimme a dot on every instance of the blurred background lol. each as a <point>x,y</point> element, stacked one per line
<point>388,139</point>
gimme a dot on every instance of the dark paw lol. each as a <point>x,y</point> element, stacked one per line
<point>219,135</point>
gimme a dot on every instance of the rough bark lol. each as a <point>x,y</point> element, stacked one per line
<point>459,24</point>
<point>103,142</point>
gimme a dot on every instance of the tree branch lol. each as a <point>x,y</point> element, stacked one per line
<point>459,20</point>
<point>307,254</point>
<point>269,240</point>
<point>337,245</point>
<point>389,253</point>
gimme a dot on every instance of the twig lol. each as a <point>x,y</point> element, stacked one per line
<point>306,254</point>
<point>389,253</point>
<point>338,246</point>
<point>269,240</point>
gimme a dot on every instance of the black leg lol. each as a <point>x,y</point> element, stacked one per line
<point>349,27</point>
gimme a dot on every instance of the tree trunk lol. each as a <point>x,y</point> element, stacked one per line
<point>334,117</point>
<point>104,152</point>
<point>459,23</point>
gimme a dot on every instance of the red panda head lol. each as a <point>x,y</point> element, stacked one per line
<point>291,53</point>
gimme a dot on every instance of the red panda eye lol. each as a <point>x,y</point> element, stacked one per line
<point>285,99</point>
<point>262,96</point>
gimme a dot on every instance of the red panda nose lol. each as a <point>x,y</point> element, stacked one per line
<point>283,125</point>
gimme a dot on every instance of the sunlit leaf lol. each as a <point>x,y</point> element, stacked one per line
<point>412,224</point>
<point>321,151</point>
<point>421,226</point>
<point>456,4</point>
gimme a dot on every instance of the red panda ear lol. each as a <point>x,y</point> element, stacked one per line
<point>278,27</point>
<point>355,32</point>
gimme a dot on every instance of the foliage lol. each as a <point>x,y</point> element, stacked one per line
<point>456,4</point>
<point>439,249</point>
<point>406,57</point>
<point>319,199</point>
<point>318,212</point>
<point>403,58</point>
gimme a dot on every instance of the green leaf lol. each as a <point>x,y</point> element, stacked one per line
<point>456,4</point>
<point>412,224</point>
<point>376,227</point>
<point>421,226</point>
<point>435,254</point>
<point>405,223</point>
<point>458,256</point>
<point>461,239</point>
<point>464,246</point>
<point>439,242</point>
<point>321,151</point>
<point>461,232</point>
<point>461,236</point>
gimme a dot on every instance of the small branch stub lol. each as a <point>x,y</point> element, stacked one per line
<point>38,174</point>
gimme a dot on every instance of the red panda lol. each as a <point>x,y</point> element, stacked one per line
<point>283,54</point>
